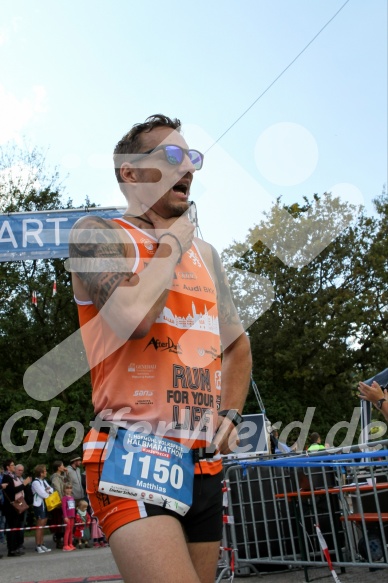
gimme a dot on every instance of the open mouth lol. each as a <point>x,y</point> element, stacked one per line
<point>181,187</point>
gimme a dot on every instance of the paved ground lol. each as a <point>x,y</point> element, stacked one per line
<point>97,565</point>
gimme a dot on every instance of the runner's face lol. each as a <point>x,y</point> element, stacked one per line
<point>169,191</point>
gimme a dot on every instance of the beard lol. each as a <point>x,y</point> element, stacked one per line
<point>172,209</point>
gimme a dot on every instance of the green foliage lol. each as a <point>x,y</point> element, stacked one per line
<point>29,331</point>
<point>327,326</point>
<point>324,331</point>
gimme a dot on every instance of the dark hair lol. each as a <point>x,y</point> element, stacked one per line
<point>56,465</point>
<point>314,437</point>
<point>8,462</point>
<point>130,143</point>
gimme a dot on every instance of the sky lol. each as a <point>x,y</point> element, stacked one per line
<point>75,76</point>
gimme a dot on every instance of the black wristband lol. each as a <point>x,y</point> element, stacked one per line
<point>233,415</point>
<point>176,239</point>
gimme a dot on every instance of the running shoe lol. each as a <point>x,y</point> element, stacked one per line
<point>39,549</point>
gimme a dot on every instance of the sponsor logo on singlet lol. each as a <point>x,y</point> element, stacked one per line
<point>212,351</point>
<point>149,245</point>
<point>186,275</point>
<point>145,397</point>
<point>202,321</point>
<point>168,345</point>
<point>142,371</point>
<point>194,257</point>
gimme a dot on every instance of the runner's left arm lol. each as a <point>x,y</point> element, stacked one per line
<point>236,359</point>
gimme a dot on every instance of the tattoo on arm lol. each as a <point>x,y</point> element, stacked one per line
<point>98,257</point>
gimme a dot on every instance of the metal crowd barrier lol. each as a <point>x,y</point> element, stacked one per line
<point>275,504</point>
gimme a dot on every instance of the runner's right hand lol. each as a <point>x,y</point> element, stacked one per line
<point>181,227</point>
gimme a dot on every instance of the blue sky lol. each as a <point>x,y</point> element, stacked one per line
<point>74,77</point>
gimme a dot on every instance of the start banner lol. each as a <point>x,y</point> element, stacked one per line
<point>43,234</point>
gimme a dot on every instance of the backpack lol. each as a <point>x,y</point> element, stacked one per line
<point>28,494</point>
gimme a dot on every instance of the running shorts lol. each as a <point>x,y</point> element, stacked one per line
<point>202,523</point>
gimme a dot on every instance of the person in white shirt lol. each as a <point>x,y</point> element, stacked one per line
<point>41,490</point>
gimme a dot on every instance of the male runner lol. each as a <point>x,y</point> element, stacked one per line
<point>155,310</point>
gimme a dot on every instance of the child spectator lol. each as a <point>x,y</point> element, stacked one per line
<point>68,509</point>
<point>97,534</point>
<point>82,525</point>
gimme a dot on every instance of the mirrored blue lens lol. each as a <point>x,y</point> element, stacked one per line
<point>174,155</point>
<point>196,159</point>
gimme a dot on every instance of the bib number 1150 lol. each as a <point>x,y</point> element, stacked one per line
<point>153,468</point>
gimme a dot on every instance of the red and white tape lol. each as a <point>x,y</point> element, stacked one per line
<point>325,550</point>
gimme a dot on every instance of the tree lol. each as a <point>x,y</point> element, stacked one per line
<point>326,328</point>
<point>28,331</point>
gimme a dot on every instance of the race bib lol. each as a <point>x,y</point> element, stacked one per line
<point>150,469</point>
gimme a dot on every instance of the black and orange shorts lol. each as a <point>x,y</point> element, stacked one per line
<point>202,523</point>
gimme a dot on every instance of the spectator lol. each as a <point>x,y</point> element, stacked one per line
<point>315,440</point>
<point>97,534</point>
<point>2,517</point>
<point>376,395</point>
<point>14,489</point>
<point>276,445</point>
<point>82,525</point>
<point>59,479</point>
<point>68,510</point>
<point>41,490</point>
<point>19,471</point>
<point>74,475</point>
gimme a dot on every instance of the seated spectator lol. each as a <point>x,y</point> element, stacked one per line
<point>41,490</point>
<point>276,445</point>
<point>315,440</point>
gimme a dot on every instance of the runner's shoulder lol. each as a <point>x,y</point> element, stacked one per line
<point>205,248</point>
<point>208,253</point>
<point>93,235</point>
<point>95,222</point>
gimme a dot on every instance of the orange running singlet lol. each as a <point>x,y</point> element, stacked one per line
<point>171,378</point>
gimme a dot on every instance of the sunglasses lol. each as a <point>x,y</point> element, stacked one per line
<point>175,155</point>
